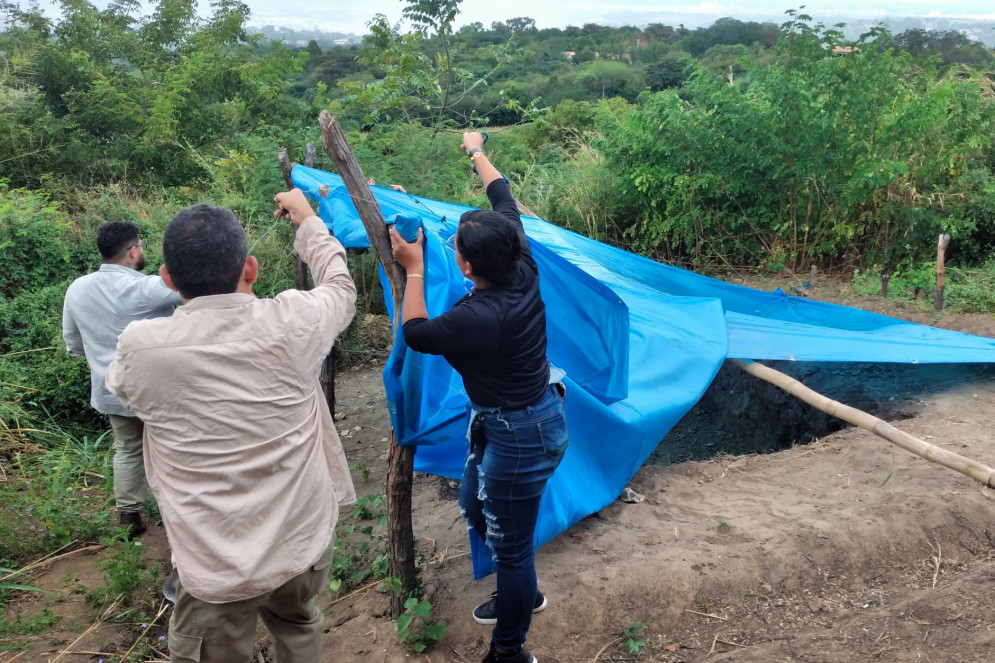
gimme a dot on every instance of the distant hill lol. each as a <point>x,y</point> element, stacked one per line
<point>982,31</point>
<point>300,38</point>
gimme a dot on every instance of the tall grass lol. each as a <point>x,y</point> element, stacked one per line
<point>55,485</point>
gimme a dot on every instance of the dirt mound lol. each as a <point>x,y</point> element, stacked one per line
<point>828,551</point>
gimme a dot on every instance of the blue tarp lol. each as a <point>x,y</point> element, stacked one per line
<point>640,342</point>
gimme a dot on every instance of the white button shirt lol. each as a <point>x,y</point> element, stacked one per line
<point>96,310</point>
<point>240,449</point>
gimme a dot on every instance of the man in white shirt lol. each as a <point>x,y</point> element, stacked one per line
<point>97,308</point>
<point>241,452</point>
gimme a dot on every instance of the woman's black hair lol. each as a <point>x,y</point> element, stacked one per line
<point>490,243</point>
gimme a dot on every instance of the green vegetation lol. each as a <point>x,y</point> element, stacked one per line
<point>361,550</point>
<point>415,627</point>
<point>633,642</point>
<point>768,146</point>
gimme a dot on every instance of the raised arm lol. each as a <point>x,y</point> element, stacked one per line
<point>498,191</point>
<point>473,144</point>
<point>334,291</point>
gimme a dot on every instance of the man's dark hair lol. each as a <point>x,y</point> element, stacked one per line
<point>204,249</point>
<point>489,242</point>
<point>116,237</point>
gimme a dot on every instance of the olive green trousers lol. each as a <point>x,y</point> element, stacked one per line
<point>201,632</point>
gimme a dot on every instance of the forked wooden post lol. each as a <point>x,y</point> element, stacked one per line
<point>301,282</point>
<point>400,463</point>
<point>930,452</point>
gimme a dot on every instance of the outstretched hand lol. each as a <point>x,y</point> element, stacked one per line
<point>294,205</point>
<point>408,254</point>
<point>472,139</point>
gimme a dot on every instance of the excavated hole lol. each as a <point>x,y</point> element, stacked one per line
<point>742,414</point>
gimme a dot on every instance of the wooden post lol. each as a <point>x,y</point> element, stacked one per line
<point>522,209</point>
<point>884,285</point>
<point>813,275</point>
<point>400,462</point>
<point>309,156</point>
<point>930,452</point>
<point>301,282</point>
<point>941,251</point>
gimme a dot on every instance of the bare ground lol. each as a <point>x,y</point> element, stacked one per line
<point>845,549</point>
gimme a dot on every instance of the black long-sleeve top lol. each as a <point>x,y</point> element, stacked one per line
<point>495,337</point>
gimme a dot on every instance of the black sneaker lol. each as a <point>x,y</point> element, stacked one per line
<point>486,613</point>
<point>520,656</point>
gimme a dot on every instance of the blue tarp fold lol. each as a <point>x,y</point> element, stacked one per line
<point>640,342</point>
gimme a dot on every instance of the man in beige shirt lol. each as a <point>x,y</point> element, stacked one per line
<point>240,449</point>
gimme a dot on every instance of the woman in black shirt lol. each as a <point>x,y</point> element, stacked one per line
<point>495,338</point>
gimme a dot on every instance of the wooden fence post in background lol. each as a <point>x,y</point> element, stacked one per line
<point>941,251</point>
<point>400,463</point>
<point>301,282</point>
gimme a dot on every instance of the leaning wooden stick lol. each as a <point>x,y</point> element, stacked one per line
<point>400,460</point>
<point>930,452</point>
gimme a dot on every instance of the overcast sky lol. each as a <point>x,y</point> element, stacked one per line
<point>353,15</point>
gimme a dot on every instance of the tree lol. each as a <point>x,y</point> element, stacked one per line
<point>670,71</point>
<point>606,78</point>
<point>862,158</point>
<point>522,24</point>
<point>432,15</point>
<point>952,47</point>
<point>119,97</point>
<point>415,86</point>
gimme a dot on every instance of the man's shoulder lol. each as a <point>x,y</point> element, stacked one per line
<point>144,332</point>
<point>104,274</point>
<point>86,278</point>
<point>80,283</point>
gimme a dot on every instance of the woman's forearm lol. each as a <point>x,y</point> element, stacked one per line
<point>414,298</point>
<point>485,169</point>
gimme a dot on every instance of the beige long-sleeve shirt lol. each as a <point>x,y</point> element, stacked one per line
<point>240,449</point>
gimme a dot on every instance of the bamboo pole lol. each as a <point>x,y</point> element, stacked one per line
<point>400,461</point>
<point>326,379</point>
<point>930,452</point>
<point>941,251</point>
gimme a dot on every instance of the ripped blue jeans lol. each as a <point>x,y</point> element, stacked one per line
<point>512,455</point>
